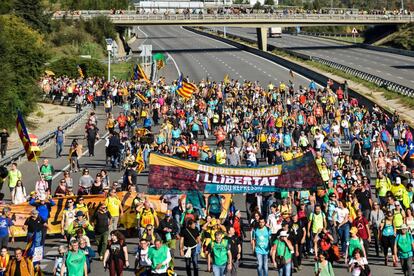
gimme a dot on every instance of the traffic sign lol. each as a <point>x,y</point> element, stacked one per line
<point>354,31</point>
<point>146,50</point>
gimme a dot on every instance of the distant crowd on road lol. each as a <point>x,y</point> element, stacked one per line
<point>363,207</point>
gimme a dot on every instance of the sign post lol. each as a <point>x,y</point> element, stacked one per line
<point>354,33</point>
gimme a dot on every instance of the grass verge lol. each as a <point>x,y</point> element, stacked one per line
<point>122,70</point>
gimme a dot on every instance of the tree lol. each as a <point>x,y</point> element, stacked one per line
<point>269,2</point>
<point>22,57</point>
<point>33,12</point>
<point>257,6</point>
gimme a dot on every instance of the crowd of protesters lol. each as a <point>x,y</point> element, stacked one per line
<point>362,209</point>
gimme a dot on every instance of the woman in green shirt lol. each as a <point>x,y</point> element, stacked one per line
<point>323,267</point>
<point>354,243</point>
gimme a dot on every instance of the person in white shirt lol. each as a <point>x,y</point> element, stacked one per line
<point>341,222</point>
<point>142,262</point>
<point>319,137</point>
<point>274,222</point>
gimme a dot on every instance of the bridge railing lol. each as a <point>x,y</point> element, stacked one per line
<point>259,16</point>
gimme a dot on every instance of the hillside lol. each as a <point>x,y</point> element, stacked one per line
<point>402,39</point>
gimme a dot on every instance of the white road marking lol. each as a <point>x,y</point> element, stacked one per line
<point>168,54</point>
<point>83,154</point>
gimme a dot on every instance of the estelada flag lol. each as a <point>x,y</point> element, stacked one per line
<point>29,140</point>
<point>185,89</point>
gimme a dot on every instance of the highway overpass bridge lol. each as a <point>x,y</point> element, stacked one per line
<point>260,21</point>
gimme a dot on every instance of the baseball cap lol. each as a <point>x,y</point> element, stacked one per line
<point>283,234</point>
<point>79,214</point>
<point>404,226</point>
<point>34,212</point>
<point>353,230</point>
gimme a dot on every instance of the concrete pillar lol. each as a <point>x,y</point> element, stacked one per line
<point>262,38</point>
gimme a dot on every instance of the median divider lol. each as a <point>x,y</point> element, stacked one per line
<point>389,85</point>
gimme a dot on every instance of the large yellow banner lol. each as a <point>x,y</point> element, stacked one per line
<point>21,212</point>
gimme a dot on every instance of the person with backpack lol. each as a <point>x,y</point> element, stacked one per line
<point>403,250</point>
<point>354,243</point>
<point>220,255</point>
<point>147,215</point>
<point>261,246</point>
<point>281,254</point>
<point>214,205</point>
<point>317,222</point>
<point>74,263</point>
<point>323,267</point>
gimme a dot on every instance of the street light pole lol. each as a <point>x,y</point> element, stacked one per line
<point>109,49</point>
<point>109,65</point>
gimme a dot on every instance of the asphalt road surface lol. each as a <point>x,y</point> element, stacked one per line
<point>197,57</point>
<point>392,67</point>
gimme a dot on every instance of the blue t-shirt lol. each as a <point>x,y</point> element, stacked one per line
<point>262,237</point>
<point>5,223</point>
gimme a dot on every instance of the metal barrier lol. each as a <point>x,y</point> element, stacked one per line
<point>42,141</point>
<point>392,86</point>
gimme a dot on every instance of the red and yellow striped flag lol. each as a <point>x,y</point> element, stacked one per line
<point>29,140</point>
<point>186,89</point>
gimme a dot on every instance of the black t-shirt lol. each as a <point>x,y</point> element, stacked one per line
<point>101,222</point>
<point>17,271</point>
<point>363,199</point>
<point>190,236</point>
<point>296,232</point>
<point>134,176</point>
<point>116,250</point>
<point>234,246</point>
<point>4,136</point>
<point>92,133</point>
<point>34,225</point>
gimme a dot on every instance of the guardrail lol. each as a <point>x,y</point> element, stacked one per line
<point>346,18</point>
<point>391,86</point>
<point>16,156</point>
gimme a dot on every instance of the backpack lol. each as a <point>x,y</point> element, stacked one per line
<point>334,253</point>
<point>384,136</point>
<point>324,244</point>
<point>214,204</point>
<point>147,218</point>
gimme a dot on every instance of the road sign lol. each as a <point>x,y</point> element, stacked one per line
<point>354,31</point>
<point>146,50</point>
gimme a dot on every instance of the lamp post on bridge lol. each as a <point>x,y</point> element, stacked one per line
<point>109,49</point>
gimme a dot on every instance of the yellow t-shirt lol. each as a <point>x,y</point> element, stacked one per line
<point>113,203</point>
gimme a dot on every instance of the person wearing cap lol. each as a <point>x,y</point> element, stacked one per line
<point>398,189</point>
<point>168,230</point>
<point>282,248</point>
<point>403,250</point>
<point>79,223</point>
<point>35,225</point>
<point>44,207</point>
<point>354,243</point>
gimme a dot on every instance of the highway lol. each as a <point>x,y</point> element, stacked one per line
<point>198,57</point>
<point>392,67</point>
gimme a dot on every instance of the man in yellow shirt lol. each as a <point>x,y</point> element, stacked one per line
<point>382,186</point>
<point>114,208</point>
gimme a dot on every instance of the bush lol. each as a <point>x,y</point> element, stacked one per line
<point>68,66</point>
